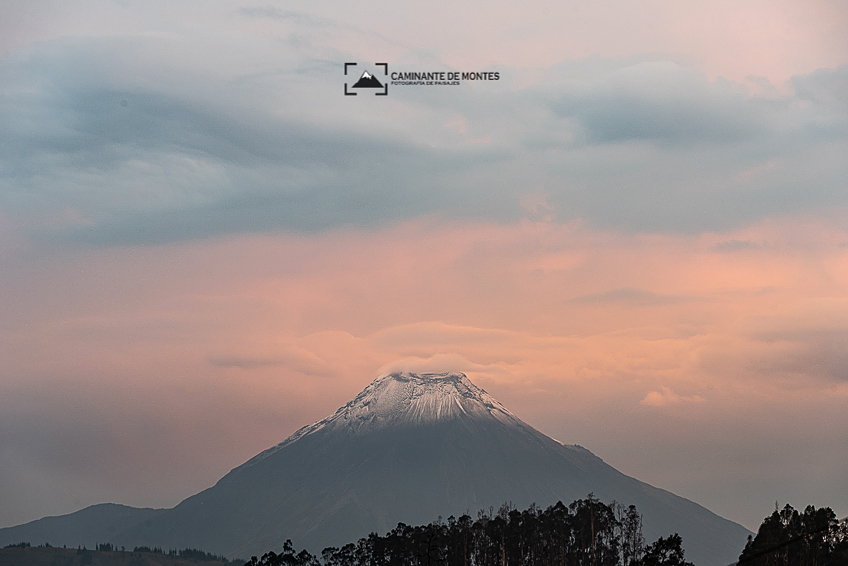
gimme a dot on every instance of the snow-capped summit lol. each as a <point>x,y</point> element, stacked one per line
<point>409,398</point>
<point>366,75</point>
<point>403,399</point>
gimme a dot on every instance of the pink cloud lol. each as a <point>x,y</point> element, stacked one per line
<point>665,396</point>
<point>233,344</point>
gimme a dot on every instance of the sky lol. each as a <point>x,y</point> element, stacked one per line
<point>636,238</point>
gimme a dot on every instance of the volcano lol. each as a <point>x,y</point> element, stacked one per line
<point>409,448</point>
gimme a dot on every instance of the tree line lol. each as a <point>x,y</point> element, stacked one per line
<point>788,537</point>
<point>585,533</point>
<point>186,553</point>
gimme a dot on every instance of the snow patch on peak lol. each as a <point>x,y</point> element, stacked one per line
<point>405,398</point>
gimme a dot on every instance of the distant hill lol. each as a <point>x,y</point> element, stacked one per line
<point>87,527</point>
<point>408,448</point>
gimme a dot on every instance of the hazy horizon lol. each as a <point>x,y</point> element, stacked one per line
<point>635,238</point>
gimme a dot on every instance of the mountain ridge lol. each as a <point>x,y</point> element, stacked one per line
<point>408,448</point>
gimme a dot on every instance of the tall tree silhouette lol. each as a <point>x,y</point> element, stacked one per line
<point>789,538</point>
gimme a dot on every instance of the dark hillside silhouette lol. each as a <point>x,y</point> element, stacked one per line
<point>106,554</point>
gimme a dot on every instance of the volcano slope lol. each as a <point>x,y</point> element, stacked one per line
<point>410,448</point>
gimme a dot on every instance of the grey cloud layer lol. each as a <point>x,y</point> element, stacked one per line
<point>103,142</point>
<point>663,103</point>
<point>141,165</point>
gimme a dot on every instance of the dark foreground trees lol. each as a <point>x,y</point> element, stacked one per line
<point>585,533</point>
<point>286,558</point>
<point>787,537</point>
